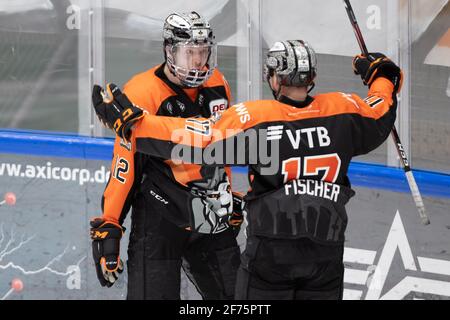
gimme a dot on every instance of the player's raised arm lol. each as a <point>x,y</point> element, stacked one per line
<point>377,112</point>
<point>191,139</point>
<point>186,139</point>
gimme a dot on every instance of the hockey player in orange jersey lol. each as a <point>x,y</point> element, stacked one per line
<point>296,202</point>
<point>180,212</point>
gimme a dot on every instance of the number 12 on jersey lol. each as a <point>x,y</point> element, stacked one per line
<point>293,168</point>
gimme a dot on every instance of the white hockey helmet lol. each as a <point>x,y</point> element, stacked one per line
<point>190,48</point>
<point>294,62</point>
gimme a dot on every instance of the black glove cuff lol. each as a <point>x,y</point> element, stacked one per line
<point>128,122</point>
<point>238,203</point>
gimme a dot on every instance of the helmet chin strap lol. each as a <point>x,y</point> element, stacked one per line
<point>185,86</point>
<point>276,94</point>
<point>312,87</point>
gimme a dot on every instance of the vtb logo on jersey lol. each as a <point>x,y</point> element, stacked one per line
<point>314,137</point>
<point>218,105</point>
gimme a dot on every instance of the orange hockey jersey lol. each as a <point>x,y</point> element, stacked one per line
<point>298,154</point>
<point>316,139</point>
<point>152,91</point>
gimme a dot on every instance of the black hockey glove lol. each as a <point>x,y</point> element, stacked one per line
<point>237,217</point>
<point>377,65</point>
<point>105,250</point>
<point>116,112</point>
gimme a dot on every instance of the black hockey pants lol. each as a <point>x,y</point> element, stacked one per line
<point>158,249</point>
<point>290,269</point>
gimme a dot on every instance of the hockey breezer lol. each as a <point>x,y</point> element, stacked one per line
<point>398,144</point>
<point>296,214</point>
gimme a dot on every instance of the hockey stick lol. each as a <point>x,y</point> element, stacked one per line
<point>398,144</point>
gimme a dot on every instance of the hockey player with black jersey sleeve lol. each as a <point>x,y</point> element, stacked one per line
<point>296,213</point>
<point>181,213</point>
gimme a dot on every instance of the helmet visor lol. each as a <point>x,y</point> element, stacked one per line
<point>193,63</point>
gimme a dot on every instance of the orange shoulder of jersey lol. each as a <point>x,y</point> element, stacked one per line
<point>147,91</point>
<point>375,105</point>
<point>216,79</point>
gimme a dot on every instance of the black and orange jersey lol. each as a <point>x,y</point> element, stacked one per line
<point>152,91</point>
<point>283,140</point>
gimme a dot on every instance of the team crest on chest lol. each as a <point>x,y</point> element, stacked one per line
<point>169,108</point>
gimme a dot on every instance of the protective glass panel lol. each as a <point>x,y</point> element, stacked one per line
<point>430,84</point>
<point>39,54</point>
<point>327,29</point>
